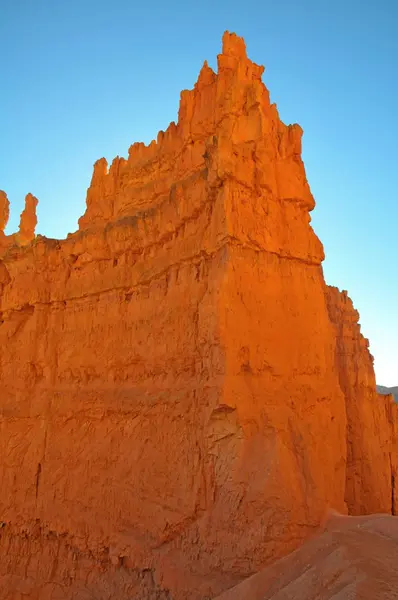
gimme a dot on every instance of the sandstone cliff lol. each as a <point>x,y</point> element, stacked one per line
<point>176,408</point>
<point>371,482</point>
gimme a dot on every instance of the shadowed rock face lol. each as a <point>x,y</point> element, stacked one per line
<point>179,386</point>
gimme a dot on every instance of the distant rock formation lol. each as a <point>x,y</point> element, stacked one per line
<point>28,221</point>
<point>27,225</point>
<point>183,397</point>
<point>385,391</point>
<point>371,418</point>
<point>4,210</point>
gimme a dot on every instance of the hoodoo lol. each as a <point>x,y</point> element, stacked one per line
<point>28,221</point>
<point>27,225</point>
<point>4,211</point>
<point>183,399</point>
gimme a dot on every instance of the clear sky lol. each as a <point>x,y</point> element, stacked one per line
<point>81,79</point>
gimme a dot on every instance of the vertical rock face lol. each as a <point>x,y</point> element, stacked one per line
<point>4,214</point>
<point>173,410</point>
<point>4,210</point>
<point>371,418</point>
<point>28,222</point>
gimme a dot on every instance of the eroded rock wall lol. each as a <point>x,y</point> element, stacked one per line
<point>171,414</point>
<point>371,484</point>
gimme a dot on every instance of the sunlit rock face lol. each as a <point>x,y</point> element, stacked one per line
<point>182,397</point>
<point>27,224</point>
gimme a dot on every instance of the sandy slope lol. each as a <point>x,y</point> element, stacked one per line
<point>354,558</point>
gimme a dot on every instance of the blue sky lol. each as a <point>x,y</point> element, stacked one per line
<point>81,79</point>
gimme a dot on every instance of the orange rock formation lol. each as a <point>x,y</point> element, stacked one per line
<point>4,215</point>
<point>372,419</point>
<point>183,398</point>
<point>27,225</point>
<point>4,210</point>
<point>28,221</point>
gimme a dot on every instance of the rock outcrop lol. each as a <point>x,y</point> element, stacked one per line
<point>27,225</point>
<point>4,215</point>
<point>371,482</point>
<point>4,210</point>
<point>28,221</point>
<point>176,411</point>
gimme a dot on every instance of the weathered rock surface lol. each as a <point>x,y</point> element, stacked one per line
<point>28,221</point>
<point>4,210</point>
<point>371,472</point>
<point>27,225</point>
<point>175,410</point>
<point>4,215</point>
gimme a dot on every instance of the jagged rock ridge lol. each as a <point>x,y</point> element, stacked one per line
<point>183,397</point>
